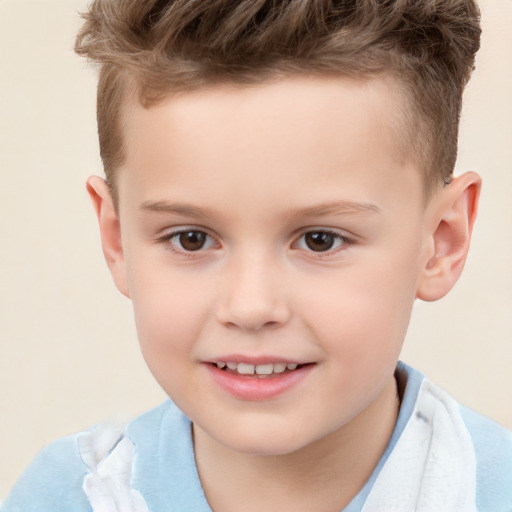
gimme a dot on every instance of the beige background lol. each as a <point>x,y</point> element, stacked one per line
<point>68,350</point>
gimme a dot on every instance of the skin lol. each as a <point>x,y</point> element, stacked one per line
<point>256,169</point>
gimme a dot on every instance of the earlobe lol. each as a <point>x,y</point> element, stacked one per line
<point>110,231</point>
<point>453,215</point>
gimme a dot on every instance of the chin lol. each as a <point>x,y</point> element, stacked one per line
<point>254,441</point>
<point>264,447</point>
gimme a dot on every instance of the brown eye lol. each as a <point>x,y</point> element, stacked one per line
<point>320,241</point>
<point>192,240</point>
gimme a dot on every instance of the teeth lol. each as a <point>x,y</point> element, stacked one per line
<point>259,369</point>
<point>279,367</point>
<point>264,369</point>
<point>245,369</point>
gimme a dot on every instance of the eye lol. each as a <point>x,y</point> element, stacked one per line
<point>190,240</point>
<point>321,241</point>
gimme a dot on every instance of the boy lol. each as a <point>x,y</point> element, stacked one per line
<point>279,191</point>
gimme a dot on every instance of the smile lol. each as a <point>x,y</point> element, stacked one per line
<point>257,380</point>
<point>260,370</point>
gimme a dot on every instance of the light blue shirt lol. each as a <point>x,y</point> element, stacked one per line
<point>165,474</point>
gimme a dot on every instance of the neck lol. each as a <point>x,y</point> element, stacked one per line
<point>323,476</point>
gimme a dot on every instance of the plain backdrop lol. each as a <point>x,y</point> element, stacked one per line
<point>68,351</point>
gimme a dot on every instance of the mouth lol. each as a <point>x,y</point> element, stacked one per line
<point>261,371</point>
<point>259,379</point>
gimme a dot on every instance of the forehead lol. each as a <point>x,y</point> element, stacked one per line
<point>311,97</point>
<point>290,134</point>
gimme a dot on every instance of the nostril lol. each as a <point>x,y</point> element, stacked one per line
<point>249,324</point>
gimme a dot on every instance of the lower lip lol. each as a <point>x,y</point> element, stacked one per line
<point>255,388</point>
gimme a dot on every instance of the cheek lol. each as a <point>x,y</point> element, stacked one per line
<point>363,312</point>
<point>167,333</point>
<point>170,312</point>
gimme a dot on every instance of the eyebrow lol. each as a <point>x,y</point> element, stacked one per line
<point>335,208</point>
<point>181,209</point>
<point>197,212</point>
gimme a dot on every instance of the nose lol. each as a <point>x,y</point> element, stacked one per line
<point>253,296</point>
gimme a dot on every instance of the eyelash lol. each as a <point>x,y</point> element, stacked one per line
<point>342,240</point>
<point>166,240</point>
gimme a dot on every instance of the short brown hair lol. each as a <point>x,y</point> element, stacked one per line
<point>163,46</point>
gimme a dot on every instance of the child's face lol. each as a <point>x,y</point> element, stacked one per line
<point>273,224</point>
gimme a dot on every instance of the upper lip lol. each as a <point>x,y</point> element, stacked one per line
<point>255,360</point>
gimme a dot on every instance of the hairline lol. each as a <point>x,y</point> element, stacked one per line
<point>133,90</point>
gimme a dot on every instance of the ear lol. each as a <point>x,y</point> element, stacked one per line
<point>110,230</point>
<point>453,215</point>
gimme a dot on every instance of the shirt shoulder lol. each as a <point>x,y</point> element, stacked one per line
<point>493,451</point>
<point>52,482</point>
<point>470,456</point>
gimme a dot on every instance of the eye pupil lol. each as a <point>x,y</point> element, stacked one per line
<point>319,241</point>
<point>192,240</point>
